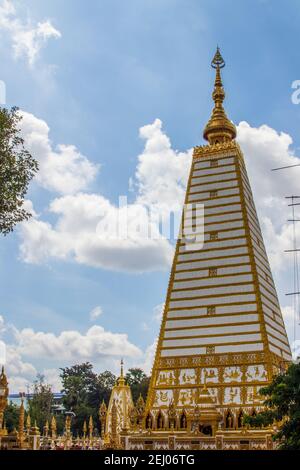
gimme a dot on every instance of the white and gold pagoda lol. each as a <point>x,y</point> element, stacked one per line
<point>118,411</point>
<point>222,335</point>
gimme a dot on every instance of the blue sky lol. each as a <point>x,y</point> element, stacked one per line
<point>117,66</point>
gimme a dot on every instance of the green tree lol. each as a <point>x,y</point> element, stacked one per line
<point>101,389</point>
<point>83,392</point>
<point>282,408</point>
<point>11,416</point>
<point>17,168</point>
<point>138,382</point>
<point>41,402</point>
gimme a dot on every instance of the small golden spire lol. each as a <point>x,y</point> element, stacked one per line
<point>219,128</point>
<point>84,428</point>
<point>53,427</point>
<point>121,379</point>
<point>28,423</point>
<point>91,426</point>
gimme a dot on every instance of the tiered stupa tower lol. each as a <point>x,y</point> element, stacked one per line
<point>222,327</point>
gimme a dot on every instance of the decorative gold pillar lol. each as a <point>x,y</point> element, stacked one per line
<point>21,436</point>
<point>53,427</point>
<point>28,424</point>
<point>114,434</point>
<point>68,426</point>
<point>46,429</point>
<point>84,430</point>
<point>3,401</point>
<point>102,417</point>
<point>91,428</point>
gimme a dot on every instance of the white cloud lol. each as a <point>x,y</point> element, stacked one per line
<point>162,172</point>
<point>75,236</point>
<point>27,347</point>
<point>2,327</point>
<point>84,230</point>
<point>148,359</point>
<point>27,39</point>
<point>63,169</point>
<point>155,320</point>
<point>96,313</point>
<point>52,378</point>
<point>158,312</point>
<point>72,345</point>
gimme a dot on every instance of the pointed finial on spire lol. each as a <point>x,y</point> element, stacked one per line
<point>121,379</point>
<point>219,128</point>
<point>218,61</point>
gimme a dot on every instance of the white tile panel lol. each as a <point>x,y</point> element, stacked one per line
<point>224,226</point>
<point>206,196</point>
<point>214,330</point>
<point>202,255</point>
<point>213,186</point>
<point>280,336</point>
<point>180,343</point>
<point>212,245</point>
<point>213,179</point>
<point>277,351</point>
<point>212,262</point>
<point>181,294</point>
<point>216,301</point>
<point>239,348</point>
<point>275,325</point>
<point>205,272</point>
<point>220,310</point>
<point>180,352</point>
<point>222,209</point>
<point>211,219</point>
<point>278,343</point>
<point>213,281</point>
<point>212,320</point>
<point>205,163</point>
<point>213,170</point>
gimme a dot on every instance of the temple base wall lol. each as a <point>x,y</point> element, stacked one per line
<point>240,440</point>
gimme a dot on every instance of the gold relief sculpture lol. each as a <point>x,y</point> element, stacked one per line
<point>187,376</point>
<point>256,373</point>
<point>253,395</point>
<point>187,397</point>
<point>232,395</point>
<point>166,377</point>
<point>163,397</point>
<point>232,374</point>
<point>209,375</point>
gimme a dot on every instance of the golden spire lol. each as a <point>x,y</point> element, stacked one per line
<point>28,423</point>
<point>121,379</point>
<point>219,128</point>
<point>84,428</point>
<point>53,427</point>
<point>21,420</point>
<point>3,378</point>
<point>91,426</point>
